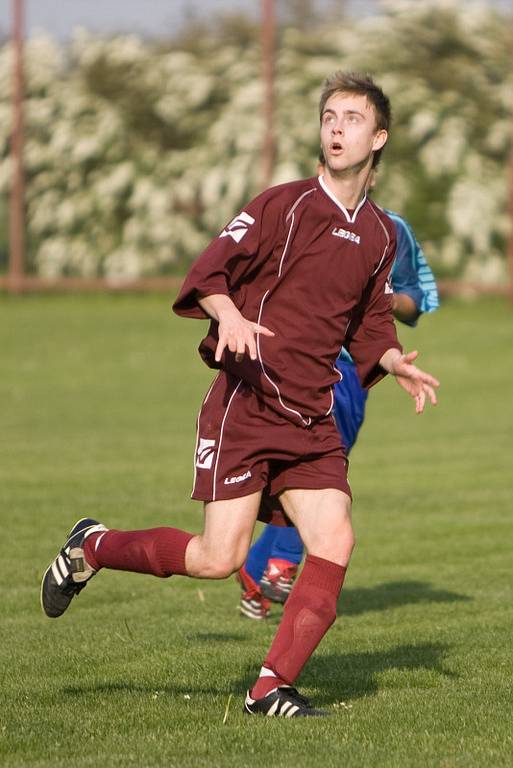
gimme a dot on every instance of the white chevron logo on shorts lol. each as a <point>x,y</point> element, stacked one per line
<point>205,453</point>
<point>238,227</point>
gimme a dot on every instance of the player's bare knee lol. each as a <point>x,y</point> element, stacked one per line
<point>222,566</point>
<point>222,570</point>
<point>337,547</point>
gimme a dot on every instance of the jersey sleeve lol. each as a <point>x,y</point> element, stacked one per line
<point>411,274</point>
<point>242,245</point>
<point>372,330</point>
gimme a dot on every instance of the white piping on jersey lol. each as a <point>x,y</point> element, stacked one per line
<point>350,219</point>
<point>288,239</point>
<point>197,430</point>
<point>307,421</point>
<point>221,439</point>
<point>331,406</point>
<point>341,377</point>
<point>211,387</point>
<point>387,237</point>
<point>298,201</point>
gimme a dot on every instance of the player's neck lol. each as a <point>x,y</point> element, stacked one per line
<point>349,189</point>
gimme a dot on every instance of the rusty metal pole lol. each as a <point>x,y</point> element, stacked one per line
<point>17,198</point>
<point>510,207</point>
<point>268,54</point>
<point>510,211</point>
<point>510,237</point>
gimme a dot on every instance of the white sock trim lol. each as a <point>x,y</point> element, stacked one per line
<point>100,537</point>
<point>265,672</point>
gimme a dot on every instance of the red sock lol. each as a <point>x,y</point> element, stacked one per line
<point>309,612</point>
<point>159,551</point>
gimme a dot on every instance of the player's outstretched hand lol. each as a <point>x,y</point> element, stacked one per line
<point>238,334</point>
<point>415,382</point>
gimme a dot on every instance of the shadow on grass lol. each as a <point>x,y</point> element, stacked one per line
<point>348,676</point>
<point>355,675</point>
<point>392,594</point>
<point>340,676</point>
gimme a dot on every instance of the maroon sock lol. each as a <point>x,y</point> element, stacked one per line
<point>160,551</point>
<point>309,612</point>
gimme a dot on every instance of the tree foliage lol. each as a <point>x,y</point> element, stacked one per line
<point>138,152</point>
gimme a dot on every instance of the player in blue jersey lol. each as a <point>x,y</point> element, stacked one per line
<point>273,560</point>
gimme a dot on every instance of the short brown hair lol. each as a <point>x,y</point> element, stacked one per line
<point>362,85</point>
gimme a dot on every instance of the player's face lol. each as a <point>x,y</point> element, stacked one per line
<point>349,134</point>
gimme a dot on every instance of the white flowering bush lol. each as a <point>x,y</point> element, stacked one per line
<point>138,152</point>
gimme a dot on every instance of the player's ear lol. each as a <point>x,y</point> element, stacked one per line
<point>380,139</point>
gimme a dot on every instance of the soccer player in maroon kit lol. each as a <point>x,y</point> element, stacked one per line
<point>302,271</point>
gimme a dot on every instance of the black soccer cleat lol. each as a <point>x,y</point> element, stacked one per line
<point>69,573</point>
<point>284,701</point>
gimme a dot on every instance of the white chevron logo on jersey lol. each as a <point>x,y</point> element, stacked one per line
<point>238,227</point>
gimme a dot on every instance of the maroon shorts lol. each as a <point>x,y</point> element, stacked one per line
<point>243,446</point>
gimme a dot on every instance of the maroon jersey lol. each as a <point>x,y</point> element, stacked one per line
<point>296,261</point>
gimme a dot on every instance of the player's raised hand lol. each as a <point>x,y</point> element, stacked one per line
<point>417,383</point>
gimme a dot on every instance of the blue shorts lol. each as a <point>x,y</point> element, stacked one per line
<point>350,399</point>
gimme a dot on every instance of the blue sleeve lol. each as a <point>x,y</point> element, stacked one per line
<point>411,274</point>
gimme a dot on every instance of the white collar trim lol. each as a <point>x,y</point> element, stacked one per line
<point>349,218</point>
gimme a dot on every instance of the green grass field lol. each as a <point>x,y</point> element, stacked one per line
<point>98,404</point>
